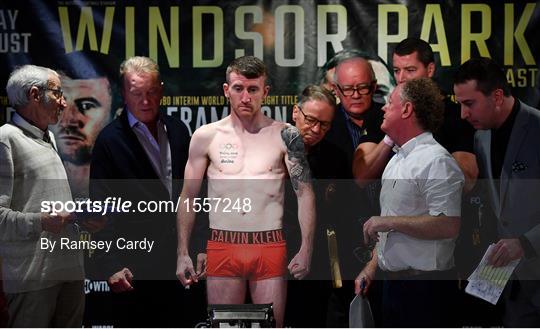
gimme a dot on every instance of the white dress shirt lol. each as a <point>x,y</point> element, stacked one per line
<point>421,179</point>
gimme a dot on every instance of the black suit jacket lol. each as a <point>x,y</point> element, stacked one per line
<point>120,168</point>
<point>513,197</point>
<point>339,134</point>
<point>352,204</point>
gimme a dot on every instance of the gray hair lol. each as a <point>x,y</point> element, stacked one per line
<point>138,64</point>
<point>427,101</point>
<point>359,58</point>
<point>316,93</point>
<point>339,57</point>
<point>22,79</point>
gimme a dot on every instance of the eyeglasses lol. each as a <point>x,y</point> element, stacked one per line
<point>58,93</point>
<point>312,122</point>
<point>362,89</point>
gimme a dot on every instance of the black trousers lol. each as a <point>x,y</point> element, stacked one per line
<point>427,300</point>
<point>162,303</point>
<point>521,303</point>
<point>307,303</point>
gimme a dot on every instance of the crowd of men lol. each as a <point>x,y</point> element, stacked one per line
<point>365,190</point>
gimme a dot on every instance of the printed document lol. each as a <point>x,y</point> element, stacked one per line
<point>487,282</point>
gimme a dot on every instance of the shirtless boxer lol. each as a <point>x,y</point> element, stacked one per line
<point>246,156</point>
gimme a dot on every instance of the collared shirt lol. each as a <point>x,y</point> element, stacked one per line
<point>158,152</point>
<point>370,131</point>
<point>354,130</point>
<point>421,179</point>
<point>45,136</point>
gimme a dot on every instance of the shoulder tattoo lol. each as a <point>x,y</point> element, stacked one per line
<point>299,169</point>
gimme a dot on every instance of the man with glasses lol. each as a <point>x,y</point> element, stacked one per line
<point>313,117</point>
<point>356,124</point>
<point>358,119</point>
<point>385,79</point>
<point>43,288</point>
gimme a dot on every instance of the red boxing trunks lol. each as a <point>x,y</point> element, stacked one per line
<point>248,255</point>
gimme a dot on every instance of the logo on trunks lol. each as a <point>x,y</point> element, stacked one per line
<point>247,237</point>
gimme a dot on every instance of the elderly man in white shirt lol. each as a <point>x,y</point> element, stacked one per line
<point>420,214</point>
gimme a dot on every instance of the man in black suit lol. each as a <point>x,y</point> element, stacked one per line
<point>307,303</point>
<point>358,119</point>
<point>356,124</point>
<point>140,157</point>
<point>507,147</point>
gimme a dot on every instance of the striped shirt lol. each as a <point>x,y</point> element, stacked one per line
<point>356,132</point>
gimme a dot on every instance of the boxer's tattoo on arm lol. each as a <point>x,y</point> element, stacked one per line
<point>299,170</point>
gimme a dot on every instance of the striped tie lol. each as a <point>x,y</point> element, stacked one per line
<point>46,137</point>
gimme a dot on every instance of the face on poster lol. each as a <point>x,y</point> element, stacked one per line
<point>87,112</point>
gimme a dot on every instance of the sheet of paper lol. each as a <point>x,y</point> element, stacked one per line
<point>487,282</point>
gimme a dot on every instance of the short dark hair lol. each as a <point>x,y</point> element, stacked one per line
<point>488,74</point>
<point>318,93</point>
<point>249,66</point>
<point>427,101</point>
<point>422,48</point>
